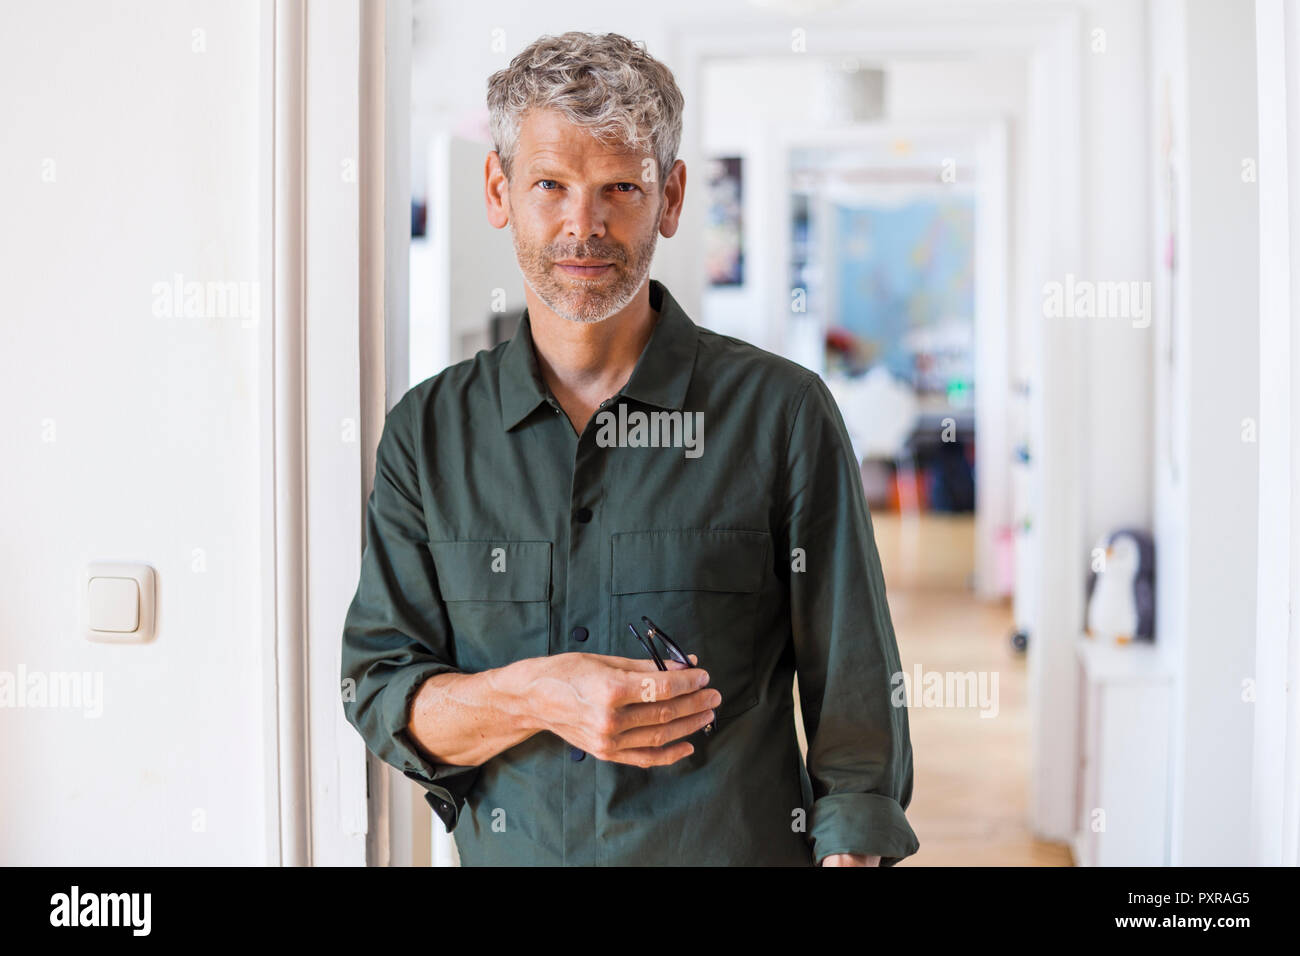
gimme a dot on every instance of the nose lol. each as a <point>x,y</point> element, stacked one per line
<point>584,214</point>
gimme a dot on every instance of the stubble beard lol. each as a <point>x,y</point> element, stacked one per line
<point>579,300</point>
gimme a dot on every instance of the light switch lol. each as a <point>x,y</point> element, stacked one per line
<point>117,602</point>
<point>114,604</point>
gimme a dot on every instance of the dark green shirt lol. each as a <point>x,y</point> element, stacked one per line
<point>495,532</point>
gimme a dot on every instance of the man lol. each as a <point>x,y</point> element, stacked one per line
<point>613,466</point>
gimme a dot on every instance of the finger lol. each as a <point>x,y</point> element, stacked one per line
<point>659,713</point>
<point>653,686</point>
<point>658,735</point>
<point>678,665</point>
<point>652,756</point>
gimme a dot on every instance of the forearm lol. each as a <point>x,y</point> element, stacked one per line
<point>467,719</point>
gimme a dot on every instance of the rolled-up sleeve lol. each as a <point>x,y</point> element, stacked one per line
<point>396,634</point>
<point>859,747</point>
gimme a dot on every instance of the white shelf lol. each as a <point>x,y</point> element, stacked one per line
<point>1107,662</point>
<point>1125,697</point>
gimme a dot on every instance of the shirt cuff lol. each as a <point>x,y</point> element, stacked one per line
<point>446,785</point>
<point>866,823</point>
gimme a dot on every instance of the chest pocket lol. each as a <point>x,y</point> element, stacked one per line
<point>497,595</point>
<point>700,587</point>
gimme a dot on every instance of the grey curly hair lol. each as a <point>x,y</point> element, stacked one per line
<point>606,83</point>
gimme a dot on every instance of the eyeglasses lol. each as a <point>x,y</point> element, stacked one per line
<point>671,650</point>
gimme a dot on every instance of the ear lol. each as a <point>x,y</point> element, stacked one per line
<point>496,191</point>
<point>673,197</point>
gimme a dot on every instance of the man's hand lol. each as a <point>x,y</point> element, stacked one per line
<point>851,859</point>
<point>621,709</point>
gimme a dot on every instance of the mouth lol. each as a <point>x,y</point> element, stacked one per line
<point>590,269</point>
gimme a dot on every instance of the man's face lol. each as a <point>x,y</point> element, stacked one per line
<point>574,201</point>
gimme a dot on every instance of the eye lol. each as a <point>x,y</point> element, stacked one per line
<point>542,182</point>
<point>633,186</point>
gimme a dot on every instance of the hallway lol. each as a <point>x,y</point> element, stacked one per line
<point>970,802</point>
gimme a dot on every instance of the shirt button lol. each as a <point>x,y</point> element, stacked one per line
<point>579,633</point>
<point>583,515</point>
<point>576,754</point>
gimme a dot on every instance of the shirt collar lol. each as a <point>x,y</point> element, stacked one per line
<point>660,378</point>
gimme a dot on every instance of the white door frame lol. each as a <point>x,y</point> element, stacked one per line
<point>336,191</point>
<point>283,217</point>
<point>1276,803</point>
<point>1050,40</point>
<point>400,819</point>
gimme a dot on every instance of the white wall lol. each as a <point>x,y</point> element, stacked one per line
<point>1276,772</point>
<point>1117,390</point>
<point>134,437</point>
<point>1206,499</point>
<point>744,102</point>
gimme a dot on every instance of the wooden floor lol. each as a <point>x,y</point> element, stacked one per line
<point>971,773</point>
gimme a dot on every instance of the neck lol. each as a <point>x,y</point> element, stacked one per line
<point>590,361</point>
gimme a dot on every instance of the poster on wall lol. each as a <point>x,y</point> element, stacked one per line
<point>724,252</point>
<point>906,293</point>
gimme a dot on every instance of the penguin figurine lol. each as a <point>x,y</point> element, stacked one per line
<point>1121,592</point>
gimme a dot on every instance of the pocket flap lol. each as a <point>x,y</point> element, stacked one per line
<point>689,560</point>
<point>493,570</point>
